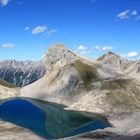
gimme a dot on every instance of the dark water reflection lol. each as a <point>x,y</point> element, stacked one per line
<point>47,119</point>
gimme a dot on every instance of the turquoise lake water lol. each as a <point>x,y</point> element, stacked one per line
<point>49,120</point>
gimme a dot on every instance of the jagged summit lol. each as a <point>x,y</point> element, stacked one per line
<point>59,46</point>
<point>108,55</point>
<point>59,55</point>
<point>61,50</point>
<point>110,52</point>
<point>15,62</point>
<point>114,60</point>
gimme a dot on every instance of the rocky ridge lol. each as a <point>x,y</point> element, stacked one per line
<point>21,73</point>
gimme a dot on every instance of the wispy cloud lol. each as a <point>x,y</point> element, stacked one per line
<point>82,50</point>
<point>8,45</point>
<point>134,13</point>
<point>124,14</point>
<point>82,47</point>
<point>26,28</point>
<point>4,2</point>
<point>132,54</point>
<point>39,29</point>
<point>42,29</point>
<point>50,32</point>
<point>129,14</point>
<point>103,48</point>
<point>85,50</point>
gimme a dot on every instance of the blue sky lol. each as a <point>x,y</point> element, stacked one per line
<point>88,27</point>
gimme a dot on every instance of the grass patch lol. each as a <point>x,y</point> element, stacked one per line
<point>6,84</point>
<point>123,94</point>
<point>115,84</point>
<point>86,72</point>
<point>121,101</point>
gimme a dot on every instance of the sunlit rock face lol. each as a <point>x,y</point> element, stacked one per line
<point>6,92</point>
<point>59,55</point>
<point>21,73</point>
<point>115,61</point>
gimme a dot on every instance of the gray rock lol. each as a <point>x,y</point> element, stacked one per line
<point>21,73</point>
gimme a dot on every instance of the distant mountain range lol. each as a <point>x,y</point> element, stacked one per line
<point>21,73</point>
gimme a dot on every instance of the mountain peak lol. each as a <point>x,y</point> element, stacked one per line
<point>113,60</point>
<point>59,46</point>
<point>111,53</point>
<point>108,55</point>
<point>60,55</point>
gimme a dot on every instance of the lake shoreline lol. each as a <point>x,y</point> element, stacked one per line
<point>59,122</point>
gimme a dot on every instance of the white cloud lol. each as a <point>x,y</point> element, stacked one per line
<point>107,48</point>
<point>103,48</point>
<point>82,47</point>
<point>83,50</point>
<point>26,28</point>
<point>39,29</point>
<point>4,2</point>
<point>132,54</point>
<point>8,45</point>
<point>128,14</point>
<point>134,13</point>
<point>50,32</point>
<point>124,14</point>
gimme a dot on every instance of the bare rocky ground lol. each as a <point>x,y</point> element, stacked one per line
<point>126,126</point>
<point>6,92</point>
<point>9,131</point>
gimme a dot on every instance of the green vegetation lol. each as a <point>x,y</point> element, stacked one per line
<point>115,84</point>
<point>121,101</point>
<point>6,84</point>
<point>86,72</point>
<point>123,94</point>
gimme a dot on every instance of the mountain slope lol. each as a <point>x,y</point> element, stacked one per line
<point>98,86</point>
<point>114,61</point>
<point>6,92</point>
<point>6,84</point>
